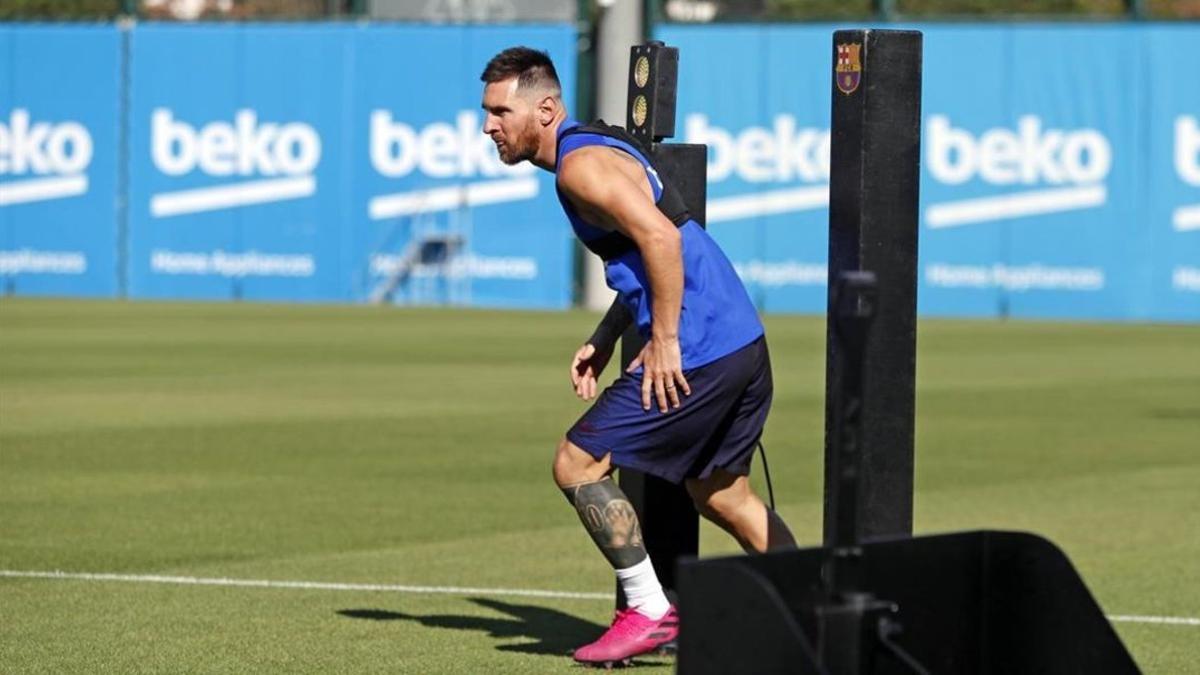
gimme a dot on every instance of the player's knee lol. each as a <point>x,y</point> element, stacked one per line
<point>703,509</point>
<point>573,466</point>
<point>722,506</point>
<point>562,469</point>
<point>570,468</point>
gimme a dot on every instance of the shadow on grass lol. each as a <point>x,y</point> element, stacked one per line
<point>550,631</point>
<point>1175,413</point>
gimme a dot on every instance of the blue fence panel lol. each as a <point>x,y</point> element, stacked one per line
<point>1060,165</point>
<point>423,169</point>
<point>59,121</point>
<point>308,162</point>
<point>956,275</point>
<point>766,122</point>
<point>237,161</point>
<point>1173,179</point>
<point>1030,172</point>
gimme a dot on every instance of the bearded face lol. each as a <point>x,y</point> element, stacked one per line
<point>519,147</point>
<point>510,120</point>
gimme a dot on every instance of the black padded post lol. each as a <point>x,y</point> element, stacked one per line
<point>670,525</point>
<point>873,193</point>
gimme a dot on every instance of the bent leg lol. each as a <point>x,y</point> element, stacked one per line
<point>613,524</point>
<point>610,519</point>
<point>602,506</point>
<point>727,500</point>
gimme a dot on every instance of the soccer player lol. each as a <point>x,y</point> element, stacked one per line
<point>692,405</point>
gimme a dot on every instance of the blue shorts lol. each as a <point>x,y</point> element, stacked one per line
<point>716,427</point>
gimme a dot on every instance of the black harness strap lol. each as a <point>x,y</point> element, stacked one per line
<point>670,202</point>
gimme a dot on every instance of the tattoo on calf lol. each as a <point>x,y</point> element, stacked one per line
<point>610,519</point>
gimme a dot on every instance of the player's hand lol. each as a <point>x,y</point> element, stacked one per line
<point>662,374</point>
<point>586,367</point>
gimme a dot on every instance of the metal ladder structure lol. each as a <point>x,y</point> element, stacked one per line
<point>429,269</point>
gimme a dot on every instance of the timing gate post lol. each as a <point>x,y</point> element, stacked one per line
<point>873,218</point>
<point>670,524</point>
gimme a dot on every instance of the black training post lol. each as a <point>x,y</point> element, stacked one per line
<point>853,310</point>
<point>670,525</point>
<point>874,182</point>
<point>875,600</point>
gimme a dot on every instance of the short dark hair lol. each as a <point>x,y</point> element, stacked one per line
<point>531,67</point>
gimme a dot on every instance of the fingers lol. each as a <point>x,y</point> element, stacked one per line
<point>682,382</point>
<point>586,389</point>
<point>660,394</point>
<point>647,386</point>
<point>664,390</point>
<point>674,386</point>
<point>661,383</point>
<point>672,393</point>
<point>647,380</point>
<point>577,370</point>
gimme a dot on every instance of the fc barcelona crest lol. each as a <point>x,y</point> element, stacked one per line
<point>848,71</point>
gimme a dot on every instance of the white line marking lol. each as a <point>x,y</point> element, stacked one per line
<point>165,204</point>
<point>1033,203</point>
<point>451,197</point>
<point>41,189</point>
<point>1173,620</point>
<point>314,585</point>
<point>393,588</point>
<point>767,203</point>
<point>1185,219</point>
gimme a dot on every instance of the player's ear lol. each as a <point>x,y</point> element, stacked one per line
<point>546,107</point>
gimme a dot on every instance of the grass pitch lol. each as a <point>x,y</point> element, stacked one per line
<point>387,446</point>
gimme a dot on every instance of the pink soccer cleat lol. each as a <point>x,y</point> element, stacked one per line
<point>630,635</point>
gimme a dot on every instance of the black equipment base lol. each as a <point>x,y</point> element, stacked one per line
<point>974,602</point>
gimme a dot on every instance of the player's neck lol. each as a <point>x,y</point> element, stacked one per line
<point>547,154</point>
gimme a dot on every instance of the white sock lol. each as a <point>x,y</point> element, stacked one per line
<point>642,590</point>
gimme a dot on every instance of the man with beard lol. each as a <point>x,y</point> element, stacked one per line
<point>691,406</point>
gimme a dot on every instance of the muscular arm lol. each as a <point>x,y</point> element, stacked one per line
<point>602,185</point>
<point>611,190</point>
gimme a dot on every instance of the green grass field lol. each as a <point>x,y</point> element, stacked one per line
<point>388,446</point>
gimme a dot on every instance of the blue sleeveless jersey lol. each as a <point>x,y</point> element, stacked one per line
<point>717,317</point>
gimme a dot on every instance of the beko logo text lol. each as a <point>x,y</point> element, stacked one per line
<point>1186,218</point>
<point>442,150</point>
<point>757,154</point>
<point>279,157</point>
<point>48,159</point>
<point>1187,149</point>
<point>439,150</point>
<point>784,153</point>
<point>1027,156</point>
<point>243,148</point>
<point>1068,168</point>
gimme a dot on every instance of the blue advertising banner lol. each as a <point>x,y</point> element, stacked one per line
<point>753,96</point>
<point>331,162</point>
<point>1173,178</point>
<point>1060,165</point>
<point>1038,175</point>
<point>236,186</point>
<point>59,159</point>
<point>335,163</point>
<point>424,172</point>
